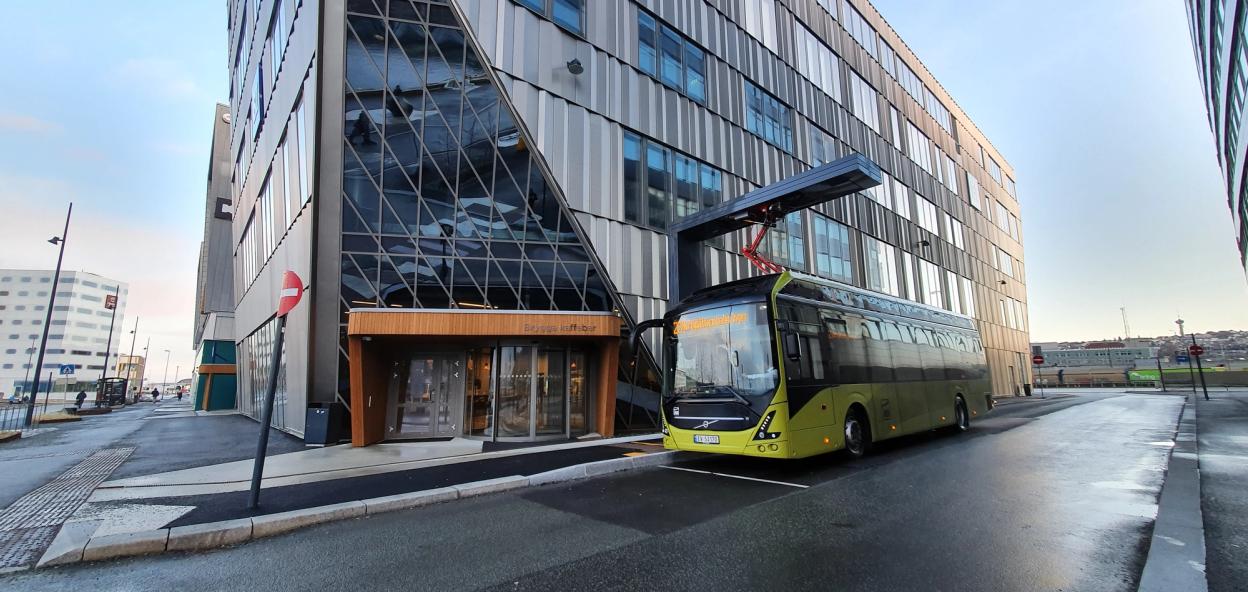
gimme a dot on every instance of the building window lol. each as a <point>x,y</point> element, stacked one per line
<point>1005,263</point>
<point>879,266</point>
<point>278,34</point>
<point>817,62</point>
<point>832,255</point>
<point>768,118</point>
<point>1009,187</point>
<point>925,215</point>
<point>1003,218</point>
<point>994,170</point>
<point>972,191</point>
<point>956,237</point>
<point>786,243</point>
<point>670,57</point>
<point>858,27</point>
<point>968,297</point>
<point>568,14</point>
<point>901,198</point>
<point>918,147</point>
<point>951,174</point>
<point>760,21</point>
<point>675,184</point>
<point>929,279</point>
<point>865,101</point>
<point>937,110</point>
<point>955,301</point>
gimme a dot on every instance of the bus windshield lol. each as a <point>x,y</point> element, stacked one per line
<point>723,351</point>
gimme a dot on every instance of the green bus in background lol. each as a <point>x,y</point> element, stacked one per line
<point>789,366</point>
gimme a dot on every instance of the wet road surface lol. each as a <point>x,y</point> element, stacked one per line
<point>1223,438</point>
<point>1042,495</point>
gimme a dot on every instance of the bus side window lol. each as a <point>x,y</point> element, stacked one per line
<point>849,361</point>
<point>877,352</point>
<point>906,362</point>
<point>929,353</point>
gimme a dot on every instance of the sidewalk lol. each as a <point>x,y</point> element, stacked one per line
<point>181,470</point>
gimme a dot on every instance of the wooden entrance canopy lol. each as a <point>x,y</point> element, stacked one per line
<point>443,327</point>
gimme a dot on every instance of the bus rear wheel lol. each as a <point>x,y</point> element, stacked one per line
<point>857,434</point>
<point>962,418</point>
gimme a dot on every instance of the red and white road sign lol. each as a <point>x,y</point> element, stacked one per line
<point>292,291</point>
<point>1037,359</point>
<point>1195,350</point>
<point>110,302</point>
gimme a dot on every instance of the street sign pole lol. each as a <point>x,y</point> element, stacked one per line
<point>292,291</point>
<point>1161,375</point>
<point>1196,352</point>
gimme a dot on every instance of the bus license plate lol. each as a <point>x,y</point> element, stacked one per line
<point>706,439</point>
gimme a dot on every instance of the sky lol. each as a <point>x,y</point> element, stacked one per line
<point>1094,103</point>
<point>1097,106</point>
<point>110,105</point>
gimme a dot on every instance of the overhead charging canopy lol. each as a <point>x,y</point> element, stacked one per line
<point>763,207</point>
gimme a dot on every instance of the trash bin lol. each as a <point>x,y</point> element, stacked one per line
<point>1027,389</point>
<point>323,424</point>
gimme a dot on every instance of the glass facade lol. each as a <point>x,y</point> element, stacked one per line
<point>444,203</point>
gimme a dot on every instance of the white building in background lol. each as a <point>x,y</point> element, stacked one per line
<point>79,333</point>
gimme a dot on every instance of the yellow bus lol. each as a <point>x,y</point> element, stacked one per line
<point>789,366</point>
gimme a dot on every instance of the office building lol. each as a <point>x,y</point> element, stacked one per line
<point>215,383</point>
<point>82,327</point>
<point>1219,30</point>
<point>477,192</point>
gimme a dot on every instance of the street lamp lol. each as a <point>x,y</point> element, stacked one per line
<point>166,379</point>
<point>47,322</point>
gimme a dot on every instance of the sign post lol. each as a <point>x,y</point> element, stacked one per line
<point>292,291</point>
<point>1196,351</point>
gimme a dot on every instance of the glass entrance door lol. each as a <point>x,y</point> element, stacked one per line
<point>534,387</point>
<point>425,396</point>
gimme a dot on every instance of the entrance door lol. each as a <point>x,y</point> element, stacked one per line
<point>426,395</point>
<point>534,392</point>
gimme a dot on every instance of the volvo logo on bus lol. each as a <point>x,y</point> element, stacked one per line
<point>706,424</point>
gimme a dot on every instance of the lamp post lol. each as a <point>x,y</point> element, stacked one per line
<point>108,349</point>
<point>143,376</point>
<point>134,336</point>
<point>165,381</point>
<point>30,356</point>
<point>47,322</point>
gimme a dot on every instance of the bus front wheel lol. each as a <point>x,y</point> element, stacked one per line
<point>857,433</point>
<point>963,419</point>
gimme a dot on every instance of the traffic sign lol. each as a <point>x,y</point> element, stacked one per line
<point>1037,359</point>
<point>110,302</point>
<point>292,291</point>
<point>67,369</point>
<point>1195,350</point>
<point>1181,358</point>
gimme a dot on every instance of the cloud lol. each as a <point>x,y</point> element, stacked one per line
<point>27,124</point>
<point>161,76</point>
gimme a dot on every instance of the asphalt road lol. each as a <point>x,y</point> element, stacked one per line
<point>1042,495</point>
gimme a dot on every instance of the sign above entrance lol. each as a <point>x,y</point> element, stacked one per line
<point>490,323</point>
<point>292,291</point>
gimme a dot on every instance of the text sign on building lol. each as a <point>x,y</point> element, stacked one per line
<point>67,369</point>
<point>110,302</point>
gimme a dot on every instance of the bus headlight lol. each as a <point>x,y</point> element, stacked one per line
<point>762,433</point>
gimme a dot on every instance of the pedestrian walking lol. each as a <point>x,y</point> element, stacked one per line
<point>179,393</point>
<point>155,395</point>
<point>82,398</point>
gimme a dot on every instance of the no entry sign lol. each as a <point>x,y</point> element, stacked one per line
<point>1037,359</point>
<point>1195,350</point>
<point>292,291</point>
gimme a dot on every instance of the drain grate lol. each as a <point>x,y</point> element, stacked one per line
<point>28,526</point>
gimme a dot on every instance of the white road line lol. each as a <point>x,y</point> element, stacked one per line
<point>798,485</point>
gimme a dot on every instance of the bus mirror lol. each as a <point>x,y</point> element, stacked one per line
<point>792,348</point>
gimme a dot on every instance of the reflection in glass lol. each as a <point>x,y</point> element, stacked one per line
<point>578,389</point>
<point>551,388</point>
<point>515,385</point>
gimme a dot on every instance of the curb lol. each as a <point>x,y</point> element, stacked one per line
<point>73,543</point>
<point>1176,552</point>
